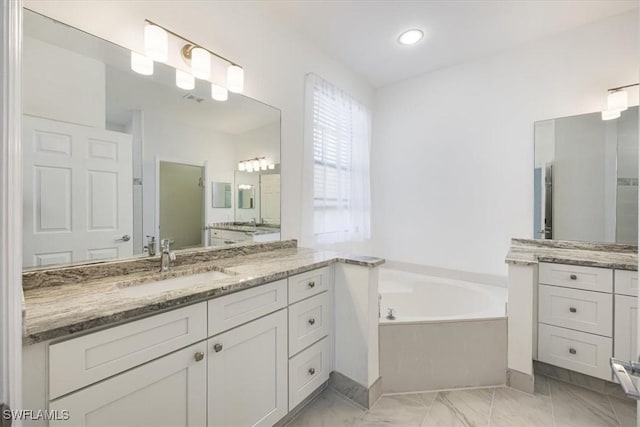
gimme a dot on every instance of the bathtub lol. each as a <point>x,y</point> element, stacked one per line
<point>446,333</point>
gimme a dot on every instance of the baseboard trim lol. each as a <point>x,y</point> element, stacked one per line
<point>355,391</point>
<point>520,381</point>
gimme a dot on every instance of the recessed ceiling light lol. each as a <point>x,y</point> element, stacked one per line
<point>410,37</point>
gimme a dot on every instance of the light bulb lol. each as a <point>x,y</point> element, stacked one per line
<point>272,166</point>
<point>263,164</point>
<point>249,167</point>
<point>235,79</point>
<point>610,114</point>
<point>256,165</point>
<point>219,93</point>
<point>185,80</point>
<point>617,101</point>
<point>241,166</point>
<point>156,43</point>
<point>141,64</point>
<point>201,63</point>
<point>410,37</point>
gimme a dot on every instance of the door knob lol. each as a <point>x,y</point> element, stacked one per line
<point>124,238</point>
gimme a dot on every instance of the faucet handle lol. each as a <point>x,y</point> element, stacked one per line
<point>165,244</point>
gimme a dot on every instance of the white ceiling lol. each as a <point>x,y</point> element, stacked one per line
<point>363,34</point>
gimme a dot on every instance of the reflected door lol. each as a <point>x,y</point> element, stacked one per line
<point>77,193</point>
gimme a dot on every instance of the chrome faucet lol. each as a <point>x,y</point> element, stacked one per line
<point>166,257</point>
<point>253,222</point>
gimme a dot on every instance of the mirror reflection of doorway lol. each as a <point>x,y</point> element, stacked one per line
<point>181,204</point>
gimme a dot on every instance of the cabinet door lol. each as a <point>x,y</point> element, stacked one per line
<point>170,391</point>
<point>626,321</point>
<point>247,378</point>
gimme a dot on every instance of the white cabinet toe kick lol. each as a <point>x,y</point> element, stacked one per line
<point>243,359</point>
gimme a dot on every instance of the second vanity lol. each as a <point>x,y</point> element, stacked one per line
<point>244,347</point>
<point>571,305</point>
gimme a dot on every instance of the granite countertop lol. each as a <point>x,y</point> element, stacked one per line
<point>606,255</point>
<point>63,301</point>
<point>249,229</point>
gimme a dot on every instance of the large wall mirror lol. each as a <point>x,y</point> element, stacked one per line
<point>114,160</point>
<point>586,178</point>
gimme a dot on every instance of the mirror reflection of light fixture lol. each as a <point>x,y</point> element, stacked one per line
<point>255,165</point>
<point>185,80</point>
<point>235,78</point>
<point>141,64</point>
<point>242,166</point>
<point>617,101</point>
<point>219,93</point>
<point>156,42</point>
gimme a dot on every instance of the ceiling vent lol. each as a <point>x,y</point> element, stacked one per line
<point>192,97</point>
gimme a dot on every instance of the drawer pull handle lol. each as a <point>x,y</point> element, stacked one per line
<point>573,277</point>
<point>217,348</point>
<point>573,309</point>
<point>312,321</point>
<point>198,356</point>
<point>312,371</point>
<point>311,285</point>
<point>572,351</point>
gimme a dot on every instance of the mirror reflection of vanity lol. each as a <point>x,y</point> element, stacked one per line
<point>586,178</point>
<point>114,160</point>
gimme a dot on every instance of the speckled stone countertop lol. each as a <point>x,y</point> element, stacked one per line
<point>249,229</point>
<point>607,255</point>
<point>66,300</point>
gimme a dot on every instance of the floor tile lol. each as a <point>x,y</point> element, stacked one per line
<point>576,406</point>
<point>460,408</point>
<point>541,386</point>
<point>399,410</point>
<point>515,408</point>
<point>625,410</point>
<point>329,410</point>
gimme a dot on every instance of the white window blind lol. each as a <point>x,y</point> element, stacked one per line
<point>339,139</point>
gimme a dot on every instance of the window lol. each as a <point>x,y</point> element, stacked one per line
<point>338,136</point>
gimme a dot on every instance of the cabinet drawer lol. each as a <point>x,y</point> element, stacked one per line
<point>309,320</point>
<point>626,328</point>
<point>81,361</point>
<point>170,391</point>
<point>626,282</point>
<point>308,284</point>
<point>308,371</point>
<point>584,311</point>
<point>575,276</point>
<point>241,307</point>
<point>577,351</point>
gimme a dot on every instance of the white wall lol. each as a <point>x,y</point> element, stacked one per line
<point>260,142</point>
<point>275,60</point>
<point>52,74</point>
<point>452,154</point>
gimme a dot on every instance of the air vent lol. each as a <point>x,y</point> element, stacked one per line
<point>192,97</point>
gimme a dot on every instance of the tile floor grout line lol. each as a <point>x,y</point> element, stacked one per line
<point>553,412</point>
<point>615,413</point>
<point>493,399</point>
<point>430,406</point>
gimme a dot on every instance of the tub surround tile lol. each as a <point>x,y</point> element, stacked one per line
<point>577,406</point>
<point>403,410</point>
<point>67,300</point>
<point>464,408</point>
<point>606,255</point>
<point>529,410</point>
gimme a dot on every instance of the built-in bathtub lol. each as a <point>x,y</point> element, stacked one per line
<point>447,333</point>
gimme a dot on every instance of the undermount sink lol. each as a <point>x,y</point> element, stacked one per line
<point>149,288</point>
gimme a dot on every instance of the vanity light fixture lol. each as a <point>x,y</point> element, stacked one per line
<point>141,64</point>
<point>156,46</point>
<point>410,37</point>
<point>617,101</point>
<point>156,42</point>
<point>185,80</point>
<point>219,93</point>
<point>255,165</point>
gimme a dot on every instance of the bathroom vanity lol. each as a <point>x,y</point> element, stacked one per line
<point>572,305</point>
<point>235,336</point>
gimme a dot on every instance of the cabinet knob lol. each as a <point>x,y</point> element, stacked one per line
<point>312,371</point>
<point>199,356</point>
<point>312,321</point>
<point>312,284</point>
<point>573,309</point>
<point>573,277</point>
<point>572,351</point>
<point>217,348</point>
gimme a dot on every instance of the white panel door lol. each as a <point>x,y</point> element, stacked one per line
<point>168,392</point>
<point>77,195</point>
<point>247,374</point>
<point>270,198</point>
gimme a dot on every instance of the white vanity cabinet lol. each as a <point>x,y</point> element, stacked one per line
<point>586,315</point>
<point>247,373</point>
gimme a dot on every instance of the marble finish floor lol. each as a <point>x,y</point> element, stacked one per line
<point>554,404</point>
